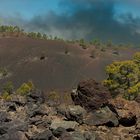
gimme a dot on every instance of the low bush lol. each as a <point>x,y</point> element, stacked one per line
<point>25,88</point>
<point>8,87</point>
<point>6,96</point>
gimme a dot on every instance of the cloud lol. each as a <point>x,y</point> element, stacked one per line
<point>85,19</point>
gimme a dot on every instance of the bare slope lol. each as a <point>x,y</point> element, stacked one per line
<point>46,64</point>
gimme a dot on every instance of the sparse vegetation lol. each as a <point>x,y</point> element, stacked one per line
<point>6,96</point>
<point>25,88</point>
<point>8,87</point>
<point>83,44</point>
<point>109,44</point>
<point>54,96</point>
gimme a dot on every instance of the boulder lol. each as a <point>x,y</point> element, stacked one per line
<point>103,116</point>
<point>90,135</point>
<point>4,117</point>
<point>66,136</point>
<point>13,126</point>
<point>77,136</point>
<point>46,135</point>
<point>76,113</point>
<point>59,131</point>
<point>39,121</point>
<point>128,111</point>
<point>91,95</point>
<point>38,110</point>
<point>72,112</point>
<point>36,96</point>
<point>68,125</point>
<point>17,136</point>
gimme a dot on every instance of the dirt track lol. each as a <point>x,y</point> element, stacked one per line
<point>21,56</point>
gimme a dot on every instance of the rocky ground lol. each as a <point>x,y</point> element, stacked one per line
<point>95,116</point>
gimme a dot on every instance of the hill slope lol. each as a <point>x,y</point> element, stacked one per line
<point>46,63</point>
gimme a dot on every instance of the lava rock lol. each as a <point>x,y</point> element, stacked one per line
<point>36,96</point>
<point>46,135</point>
<point>4,117</point>
<point>68,125</point>
<point>76,113</point>
<point>59,131</point>
<point>103,116</point>
<point>128,111</point>
<point>91,95</point>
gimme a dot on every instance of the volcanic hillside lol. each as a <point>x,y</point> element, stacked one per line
<point>53,64</point>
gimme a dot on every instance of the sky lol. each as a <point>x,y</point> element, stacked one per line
<point>118,20</point>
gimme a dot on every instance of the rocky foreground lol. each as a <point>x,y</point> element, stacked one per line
<point>95,116</point>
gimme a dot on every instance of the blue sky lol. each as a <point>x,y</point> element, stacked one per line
<point>30,8</point>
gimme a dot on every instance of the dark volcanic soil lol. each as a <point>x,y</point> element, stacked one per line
<point>46,64</point>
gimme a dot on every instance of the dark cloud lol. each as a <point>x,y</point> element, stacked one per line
<point>86,19</point>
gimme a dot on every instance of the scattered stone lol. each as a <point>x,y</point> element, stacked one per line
<point>18,100</point>
<point>96,117</point>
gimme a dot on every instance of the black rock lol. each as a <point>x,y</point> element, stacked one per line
<point>4,117</point>
<point>59,131</point>
<point>46,135</point>
<point>36,97</point>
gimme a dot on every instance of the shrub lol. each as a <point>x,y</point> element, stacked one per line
<point>6,96</point>
<point>133,92</point>
<point>31,85</point>
<point>8,87</point>
<point>54,96</point>
<point>45,36</point>
<point>122,76</point>
<point>109,43</point>
<point>136,58</point>
<point>25,88</point>
<point>96,42</point>
<point>83,44</point>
